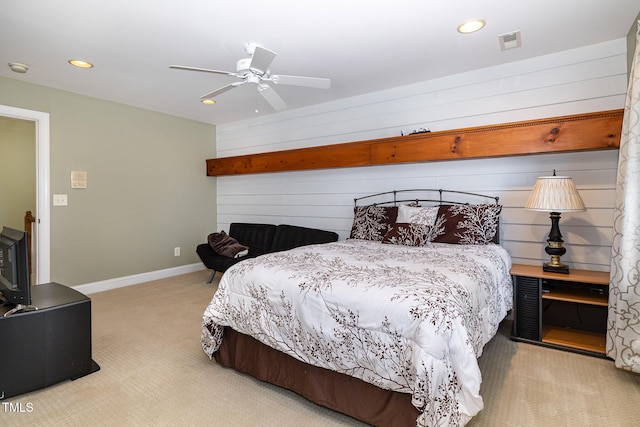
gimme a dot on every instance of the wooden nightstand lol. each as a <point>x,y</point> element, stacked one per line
<point>565,311</point>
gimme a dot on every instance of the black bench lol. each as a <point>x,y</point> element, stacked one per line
<point>262,239</point>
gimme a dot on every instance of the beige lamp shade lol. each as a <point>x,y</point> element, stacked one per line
<point>555,194</point>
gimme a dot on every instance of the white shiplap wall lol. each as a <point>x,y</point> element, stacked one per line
<point>583,80</point>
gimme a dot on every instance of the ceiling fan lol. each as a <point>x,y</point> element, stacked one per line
<point>255,69</point>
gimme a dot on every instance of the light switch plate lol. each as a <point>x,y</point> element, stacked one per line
<point>60,200</point>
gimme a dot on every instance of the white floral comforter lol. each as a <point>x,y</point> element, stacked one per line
<point>408,319</point>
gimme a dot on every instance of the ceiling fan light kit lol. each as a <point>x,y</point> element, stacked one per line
<point>255,69</point>
<point>18,67</point>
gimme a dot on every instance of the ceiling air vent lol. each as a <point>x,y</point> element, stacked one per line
<point>509,40</point>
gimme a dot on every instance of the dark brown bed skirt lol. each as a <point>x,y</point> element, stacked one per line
<point>333,390</point>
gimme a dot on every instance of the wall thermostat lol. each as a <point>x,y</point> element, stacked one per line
<point>78,179</point>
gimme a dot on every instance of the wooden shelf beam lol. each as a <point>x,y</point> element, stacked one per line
<point>581,132</point>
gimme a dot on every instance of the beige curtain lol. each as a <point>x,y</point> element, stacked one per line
<point>623,325</point>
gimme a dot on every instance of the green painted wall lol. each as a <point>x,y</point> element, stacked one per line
<point>147,190</point>
<point>17,168</point>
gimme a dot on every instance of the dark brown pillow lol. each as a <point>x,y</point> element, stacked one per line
<point>225,245</point>
<point>469,224</point>
<point>372,222</point>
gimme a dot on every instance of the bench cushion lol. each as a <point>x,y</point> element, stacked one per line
<point>291,236</point>
<point>258,237</point>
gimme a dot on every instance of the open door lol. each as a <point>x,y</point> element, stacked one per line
<point>41,221</point>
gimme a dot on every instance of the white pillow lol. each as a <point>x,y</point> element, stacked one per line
<point>417,215</point>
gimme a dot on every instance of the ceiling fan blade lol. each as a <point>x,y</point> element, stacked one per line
<point>314,82</point>
<point>270,95</point>
<point>223,89</point>
<point>261,59</point>
<point>203,70</point>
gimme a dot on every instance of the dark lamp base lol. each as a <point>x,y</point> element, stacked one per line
<point>563,268</point>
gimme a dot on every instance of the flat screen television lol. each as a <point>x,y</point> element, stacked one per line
<point>15,284</point>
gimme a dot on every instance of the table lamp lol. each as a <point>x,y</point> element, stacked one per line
<point>555,194</point>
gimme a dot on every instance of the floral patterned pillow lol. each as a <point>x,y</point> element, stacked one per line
<point>469,224</point>
<point>372,222</point>
<point>417,215</point>
<point>409,234</point>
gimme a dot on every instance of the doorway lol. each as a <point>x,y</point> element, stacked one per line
<point>42,227</point>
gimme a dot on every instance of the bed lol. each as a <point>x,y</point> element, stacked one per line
<point>385,326</point>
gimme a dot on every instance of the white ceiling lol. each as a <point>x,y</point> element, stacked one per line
<point>361,45</point>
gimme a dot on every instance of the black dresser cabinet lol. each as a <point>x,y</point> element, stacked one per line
<point>46,346</point>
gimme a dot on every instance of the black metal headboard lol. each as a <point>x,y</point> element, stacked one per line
<point>427,195</point>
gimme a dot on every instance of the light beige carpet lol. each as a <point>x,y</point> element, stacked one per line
<point>146,339</point>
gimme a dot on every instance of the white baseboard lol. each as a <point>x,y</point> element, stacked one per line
<point>119,282</point>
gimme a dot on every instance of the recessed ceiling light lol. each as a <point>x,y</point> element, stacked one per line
<point>471,26</point>
<point>208,101</point>
<point>80,63</point>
